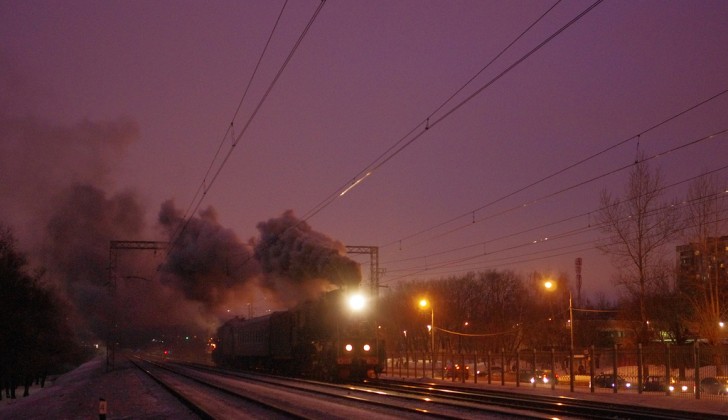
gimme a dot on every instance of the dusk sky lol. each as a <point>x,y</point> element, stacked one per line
<point>139,96</point>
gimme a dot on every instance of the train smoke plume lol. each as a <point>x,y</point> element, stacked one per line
<point>76,249</point>
<point>207,262</point>
<point>60,200</point>
<point>299,262</point>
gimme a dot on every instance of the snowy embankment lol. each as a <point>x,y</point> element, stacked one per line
<point>75,395</point>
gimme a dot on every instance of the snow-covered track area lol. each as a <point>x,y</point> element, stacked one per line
<point>224,394</point>
<point>553,406</point>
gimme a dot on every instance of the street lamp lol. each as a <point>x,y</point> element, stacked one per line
<point>424,303</point>
<point>549,285</point>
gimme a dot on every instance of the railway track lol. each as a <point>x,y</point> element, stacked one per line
<point>266,396</point>
<point>553,406</point>
<point>210,401</point>
<point>212,393</point>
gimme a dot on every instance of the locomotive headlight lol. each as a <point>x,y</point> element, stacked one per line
<point>349,347</point>
<point>357,302</point>
<point>367,347</point>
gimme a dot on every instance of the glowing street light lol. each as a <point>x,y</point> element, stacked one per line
<point>550,285</point>
<point>424,304</point>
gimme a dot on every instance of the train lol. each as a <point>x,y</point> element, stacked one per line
<point>333,338</point>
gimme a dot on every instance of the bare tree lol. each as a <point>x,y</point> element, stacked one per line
<point>705,222</point>
<point>500,311</point>
<point>638,226</point>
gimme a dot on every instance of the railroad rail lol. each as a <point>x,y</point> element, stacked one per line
<point>313,399</point>
<point>404,399</point>
<point>561,406</point>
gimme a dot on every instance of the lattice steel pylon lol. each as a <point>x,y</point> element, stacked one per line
<point>373,252</point>
<point>114,247</point>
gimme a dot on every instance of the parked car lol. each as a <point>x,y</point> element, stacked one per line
<point>547,376</point>
<point>459,371</point>
<point>713,385</point>
<point>607,380</point>
<point>658,384</point>
<point>495,371</point>
<point>525,376</point>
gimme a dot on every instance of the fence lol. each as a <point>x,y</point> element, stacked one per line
<point>694,371</point>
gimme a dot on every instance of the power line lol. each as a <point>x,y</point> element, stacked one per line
<point>363,174</point>
<point>521,206</point>
<point>579,230</point>
<point>551,238</point>
<point>230,130</point>
<point>454,263</point>
<point>237,139</point>
<point>394,150</point>
<point>560,171</point>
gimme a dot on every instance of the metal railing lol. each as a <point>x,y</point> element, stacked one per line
<point>686,371</point>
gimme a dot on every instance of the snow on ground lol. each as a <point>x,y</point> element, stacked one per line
<point>128,392</point>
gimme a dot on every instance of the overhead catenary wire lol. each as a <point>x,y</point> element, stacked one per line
<point>363,174</point>
<point>721,193</point>
<point>519,259</point>
<point>206,189</point>
<point>454,263</point>
<point>399,241</point>
<point>523,205</point>
<point>427,124</point>
<point>230,130</point>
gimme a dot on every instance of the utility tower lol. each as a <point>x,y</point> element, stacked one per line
<point>114,248</point>
<point>373,252</point>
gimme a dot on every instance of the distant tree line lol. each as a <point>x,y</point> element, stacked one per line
<point>501,310</point>
<point>494,310</point>
<point>35,337</point>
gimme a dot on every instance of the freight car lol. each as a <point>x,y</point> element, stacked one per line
<point>323,339</point>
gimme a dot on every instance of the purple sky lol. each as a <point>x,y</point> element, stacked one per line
<point>154,86</point>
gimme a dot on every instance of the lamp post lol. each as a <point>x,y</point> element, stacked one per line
<point>549,285</point>
<point>424,303</point>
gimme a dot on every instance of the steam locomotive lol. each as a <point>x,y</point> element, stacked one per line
<point>333,338</point>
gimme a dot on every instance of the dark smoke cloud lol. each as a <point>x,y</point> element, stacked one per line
<point>207,262</point>
<point>59,198</point>
<point>142,302</point>
<point>80,227</point>
<point>38,158</point>
<point>300,263</point>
